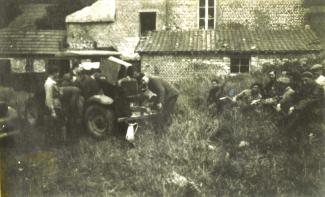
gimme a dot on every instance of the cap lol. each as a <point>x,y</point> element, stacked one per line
<point>316,67</point>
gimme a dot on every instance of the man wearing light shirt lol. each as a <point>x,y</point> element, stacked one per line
<point>53,103</point>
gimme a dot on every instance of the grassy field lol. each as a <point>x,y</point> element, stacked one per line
<point>198,155</point>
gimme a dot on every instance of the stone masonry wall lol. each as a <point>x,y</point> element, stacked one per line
<point>123,33</point>
<point>261,13</point>
<point>177,67</point>
<point>252,13</point>
<point>182,14</point>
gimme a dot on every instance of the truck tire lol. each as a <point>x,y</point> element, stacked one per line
<point>100,120</point>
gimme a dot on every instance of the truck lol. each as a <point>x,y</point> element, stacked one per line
<point>117,103</point>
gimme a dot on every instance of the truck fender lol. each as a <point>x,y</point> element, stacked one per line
<point>101,99</point>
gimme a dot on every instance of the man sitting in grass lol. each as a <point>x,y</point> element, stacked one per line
<point>215,93</point>
<point>249,98</point>
<point>307,112</point>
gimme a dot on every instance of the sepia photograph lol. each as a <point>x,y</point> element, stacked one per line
<point>162,98</point>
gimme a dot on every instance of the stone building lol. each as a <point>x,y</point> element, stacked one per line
<point>175,55</point>
<point>122,25</point>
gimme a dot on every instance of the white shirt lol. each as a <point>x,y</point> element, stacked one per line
<point>321,81</point>
<point>49,87</point>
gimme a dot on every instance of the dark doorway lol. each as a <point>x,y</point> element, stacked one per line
<point>5,71</point>
<point>147,22</point>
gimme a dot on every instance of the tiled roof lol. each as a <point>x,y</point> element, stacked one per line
<point>31,42</point>
<point>230,41</point>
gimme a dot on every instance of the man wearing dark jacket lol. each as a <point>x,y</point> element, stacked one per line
<point>312,95</point>
<point>307,113</point>
<point>166,94</point>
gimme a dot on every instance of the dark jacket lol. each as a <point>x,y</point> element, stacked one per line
<point>214,94</point>
<point>312,97</point>
<point>89,86</point>
<point>163,89</point>
<point>269,89</point>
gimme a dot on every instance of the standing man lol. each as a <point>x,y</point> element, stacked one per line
<point>166,95</point>
<point>53,103</point>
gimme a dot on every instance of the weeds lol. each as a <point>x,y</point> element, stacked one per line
<point>229,155</point>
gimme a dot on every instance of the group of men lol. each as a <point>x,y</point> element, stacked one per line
<point>65,94</point>
<point>295,98</point>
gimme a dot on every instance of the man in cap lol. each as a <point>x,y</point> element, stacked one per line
<point>306,114</point>
<point>166,94</point>
<point>312,94</point>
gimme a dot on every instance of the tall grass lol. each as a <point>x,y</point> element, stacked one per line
<point>201,148</point>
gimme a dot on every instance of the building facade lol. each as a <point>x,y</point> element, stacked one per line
<point>133,18</point>
<point>126,31</point>
<point>182,54</point>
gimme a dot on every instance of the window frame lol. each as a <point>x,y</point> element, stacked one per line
<point>206,18</point>
<point>240,65</point>
<point>142,33</point>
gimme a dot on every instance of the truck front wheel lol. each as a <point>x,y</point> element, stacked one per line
<point>100,120</point>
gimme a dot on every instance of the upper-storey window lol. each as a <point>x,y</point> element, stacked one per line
<point>147,22</point>
<point>206,14</point>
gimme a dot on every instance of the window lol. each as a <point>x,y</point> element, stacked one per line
<point>5,70</point>
<point>29,65</point>
<point>239,64</point>
<point>206,14</point>
<point>147,22</point>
